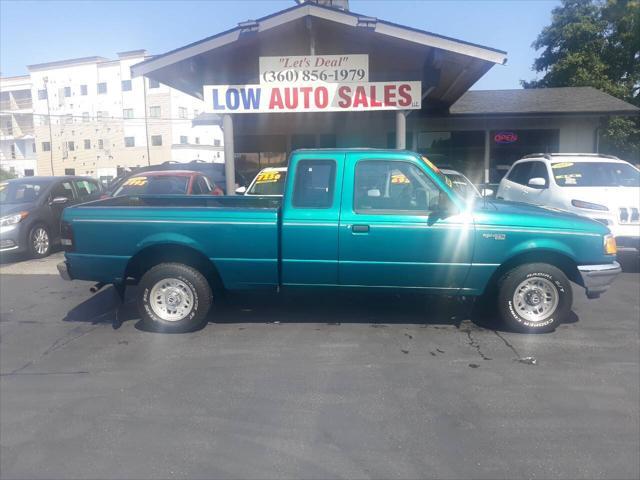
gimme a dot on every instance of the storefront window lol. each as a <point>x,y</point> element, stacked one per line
<point>457,150</point>
<point>507,146</point>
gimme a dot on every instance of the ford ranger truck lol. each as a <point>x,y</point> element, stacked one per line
<point>374,219</point>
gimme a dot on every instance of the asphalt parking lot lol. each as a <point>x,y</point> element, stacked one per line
<point>312,386</point>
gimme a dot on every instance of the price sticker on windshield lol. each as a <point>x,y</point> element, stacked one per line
<point>136,181</point>
<point>268,177</point>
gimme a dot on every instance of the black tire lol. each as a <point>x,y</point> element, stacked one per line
<point>548,288</point>
<point>38,249</point>
<point>186,286</point>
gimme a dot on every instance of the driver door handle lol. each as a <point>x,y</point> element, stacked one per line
<point>360,228</point>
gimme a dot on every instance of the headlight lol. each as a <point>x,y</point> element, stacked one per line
<point>12,219</point>
<point>589,205</point>
<point>610,247</point>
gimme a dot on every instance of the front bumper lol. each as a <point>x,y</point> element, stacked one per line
<point>63,270</point>
<point>11,239</point>
<point>597,278</point>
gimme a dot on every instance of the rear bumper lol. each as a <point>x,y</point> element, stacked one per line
<point>63,270</point>
<point>597,278</point>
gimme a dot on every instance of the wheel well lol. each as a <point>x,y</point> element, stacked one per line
<point>149,257</point>
<point>566,264</point>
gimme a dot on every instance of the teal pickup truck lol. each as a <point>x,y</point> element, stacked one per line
<point>358,218</point>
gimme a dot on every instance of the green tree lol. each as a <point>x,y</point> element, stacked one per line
<point>4,175</point>
<point>596,43</point>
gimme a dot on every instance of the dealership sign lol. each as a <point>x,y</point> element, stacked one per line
<point>313,97</point>
<point>314,68</point>
<point>313,83</point>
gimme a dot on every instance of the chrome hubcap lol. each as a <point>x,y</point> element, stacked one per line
<point>40,241</point>
<point>171,299</point>
<point>536,299</point>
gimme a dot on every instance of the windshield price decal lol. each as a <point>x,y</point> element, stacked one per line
<point>561,165</point>
<point>268,177</point>
<point>314,68</point>
<point>136,181</point>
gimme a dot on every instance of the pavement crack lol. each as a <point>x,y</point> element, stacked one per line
<point>475,344</point>
<point>66,339</point>
<point>16,373</point>
<point>508,344</point>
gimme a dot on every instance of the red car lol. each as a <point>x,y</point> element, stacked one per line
<point>169,182</point>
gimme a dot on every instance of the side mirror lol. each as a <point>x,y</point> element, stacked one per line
<point>241,190</point>
<point>537,182</point>
<point>59,201</point>
<point>487,192</point>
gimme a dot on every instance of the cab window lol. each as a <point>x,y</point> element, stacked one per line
<point>87,189</point>
<point>392,186</point>
<point>62,189</point>
<point>314,184</point>
<point>520,173</point>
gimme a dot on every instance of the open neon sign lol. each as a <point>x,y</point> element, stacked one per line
<point>505,137</point>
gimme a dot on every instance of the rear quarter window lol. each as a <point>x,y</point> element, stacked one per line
<point>314,184</point>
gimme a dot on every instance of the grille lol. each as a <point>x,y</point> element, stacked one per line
<point>629,215</point>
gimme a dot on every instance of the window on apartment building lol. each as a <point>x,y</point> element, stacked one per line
<point>69,171</point>
<point>33,147</point>
<point>42,94</point>
<point>71,146</point>
<point>156,140</point>
<point>154,83</point>
<point>197,140</point>
<point>102,88</point>
<point>183,139</point>
<point>196,113</point>
<point>68,119</point>
<point>9,127</point>
<point>129,141</point>
<point>85,117</point>
<point>182,112</point>
<point>101,144</point>
<point>101,116</point>
<point>87,144</point>
<point>216,143</point>
<point>154,112</point>
<point>83,90</point>
<point>67,91</point>
<point>28,172</point>
<point>126,85</point>
<point>13,151</point>
<point>46,146</point>
<point>127,113</point>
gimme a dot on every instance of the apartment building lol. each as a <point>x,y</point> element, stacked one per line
<point>91,118</point>
<point>17,143</point>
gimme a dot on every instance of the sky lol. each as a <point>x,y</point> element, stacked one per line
<point>43,31</point>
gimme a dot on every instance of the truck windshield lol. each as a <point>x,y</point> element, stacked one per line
<point>268,183</point>
<point>20,192</point>
<point>159,185</point>
<point>595,174</point>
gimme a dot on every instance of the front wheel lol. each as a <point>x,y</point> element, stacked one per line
<point>174,297</point>
<point>39,242</point>
<point>534,297</point>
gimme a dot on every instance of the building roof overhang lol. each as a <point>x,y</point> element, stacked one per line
<point>446,66</point>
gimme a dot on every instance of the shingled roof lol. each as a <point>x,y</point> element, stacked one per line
<point>546,101</point>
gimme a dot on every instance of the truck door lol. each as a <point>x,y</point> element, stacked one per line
<point>309,238</point>
<point>390,234</point>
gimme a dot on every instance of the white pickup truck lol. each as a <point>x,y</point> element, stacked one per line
<point>600,187</point>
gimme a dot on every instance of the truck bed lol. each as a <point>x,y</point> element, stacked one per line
<point>238,234</point>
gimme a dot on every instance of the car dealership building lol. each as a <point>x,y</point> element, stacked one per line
<point>319,75</point>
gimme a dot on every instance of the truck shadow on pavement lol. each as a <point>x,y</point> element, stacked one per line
<point>323,307</point>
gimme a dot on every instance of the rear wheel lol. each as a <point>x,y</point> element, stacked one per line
<point>174,297</point>
<point>534,297</point>
<point>39,242</point>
